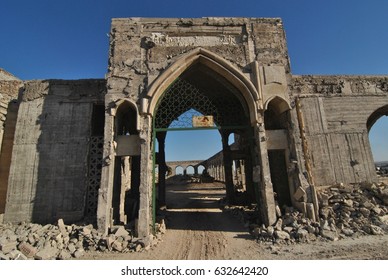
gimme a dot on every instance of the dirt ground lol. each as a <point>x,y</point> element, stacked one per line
<point>197,229</point>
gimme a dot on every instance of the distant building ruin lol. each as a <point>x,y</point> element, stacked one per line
<point>85,149</point>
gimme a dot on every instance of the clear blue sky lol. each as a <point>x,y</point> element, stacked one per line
<point>68,39</point>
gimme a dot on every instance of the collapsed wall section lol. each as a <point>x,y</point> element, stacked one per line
<point>48,175</point>
<point>335,112</point>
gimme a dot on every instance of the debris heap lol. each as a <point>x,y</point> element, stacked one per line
<point>47,242</point>
<point>345,211</point>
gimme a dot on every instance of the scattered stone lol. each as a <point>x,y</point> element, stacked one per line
<point>17,255</point>
<point>7,246</point>
<point>279,224</point>
<point>62,227</point>
<point>86,231</point>
<point>64,255</point>
<point>348,202</point>
<point>384,219</point>
<point>347,231</point>
<point>278,211</point>
<point>109,241</point>
<point>302,234</point>
<point>270,231</point>
<point>47,253</point>
<point>3,257</point>
<point>375,230</point>
<point>331,235</point>
<point>147,241</point>
<point>288,229</point>
<point>78,253</point>
<point>138,247</point>
<point>299,194</point>
<point>27,249</point>
<point>116,245</point>
<point>120,231</point>
<point>282,235</point>
<point>324,199</point>
<point>162,227</point>
<point>377,210</point>
<point>289,220</point>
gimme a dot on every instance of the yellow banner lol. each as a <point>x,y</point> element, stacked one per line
<point>203,121</point>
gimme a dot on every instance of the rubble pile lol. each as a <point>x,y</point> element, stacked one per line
<point>47,242</point>
<point>345,211</point>
<point>354,209</point>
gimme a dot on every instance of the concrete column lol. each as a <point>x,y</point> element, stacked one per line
<point>162,170</point>
<point>145,205</point>
<point>228,173</point>
<point>262,175</point>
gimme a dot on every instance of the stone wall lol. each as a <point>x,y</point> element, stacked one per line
<point>141,48</point>
<point>9,92</point>
<point>148,54</point>
<point>335,113</point>
<point>48,175</point>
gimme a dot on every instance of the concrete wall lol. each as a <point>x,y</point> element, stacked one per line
<point>335,112</point>
<point>9,92</point>
<point>48,175</point>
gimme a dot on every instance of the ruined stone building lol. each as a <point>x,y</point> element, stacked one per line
<point>86,149</point>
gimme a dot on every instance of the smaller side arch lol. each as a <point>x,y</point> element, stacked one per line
<point>278,103</point>
<point>122,105</point>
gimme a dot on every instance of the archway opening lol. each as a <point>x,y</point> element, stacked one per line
<point>190,170</point>
<point>125,196</point>
<point>276,121</point>
<point>201,170</point>
<point>203,104</point>
<point>377,126</point>
<point>179,170</point>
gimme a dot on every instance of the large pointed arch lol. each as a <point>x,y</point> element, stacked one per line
<point>377,114</point>
<point>215,63</point>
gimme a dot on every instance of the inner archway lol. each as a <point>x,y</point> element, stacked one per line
<point>377,126</point>
<point>126,179</point>
<point>276,121</point>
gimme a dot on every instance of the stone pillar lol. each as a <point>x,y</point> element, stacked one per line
<point>104,213</point>
<point>162,170</point>
<point>228,173</point>
<point>145,204</point>
<point>262,175</point>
